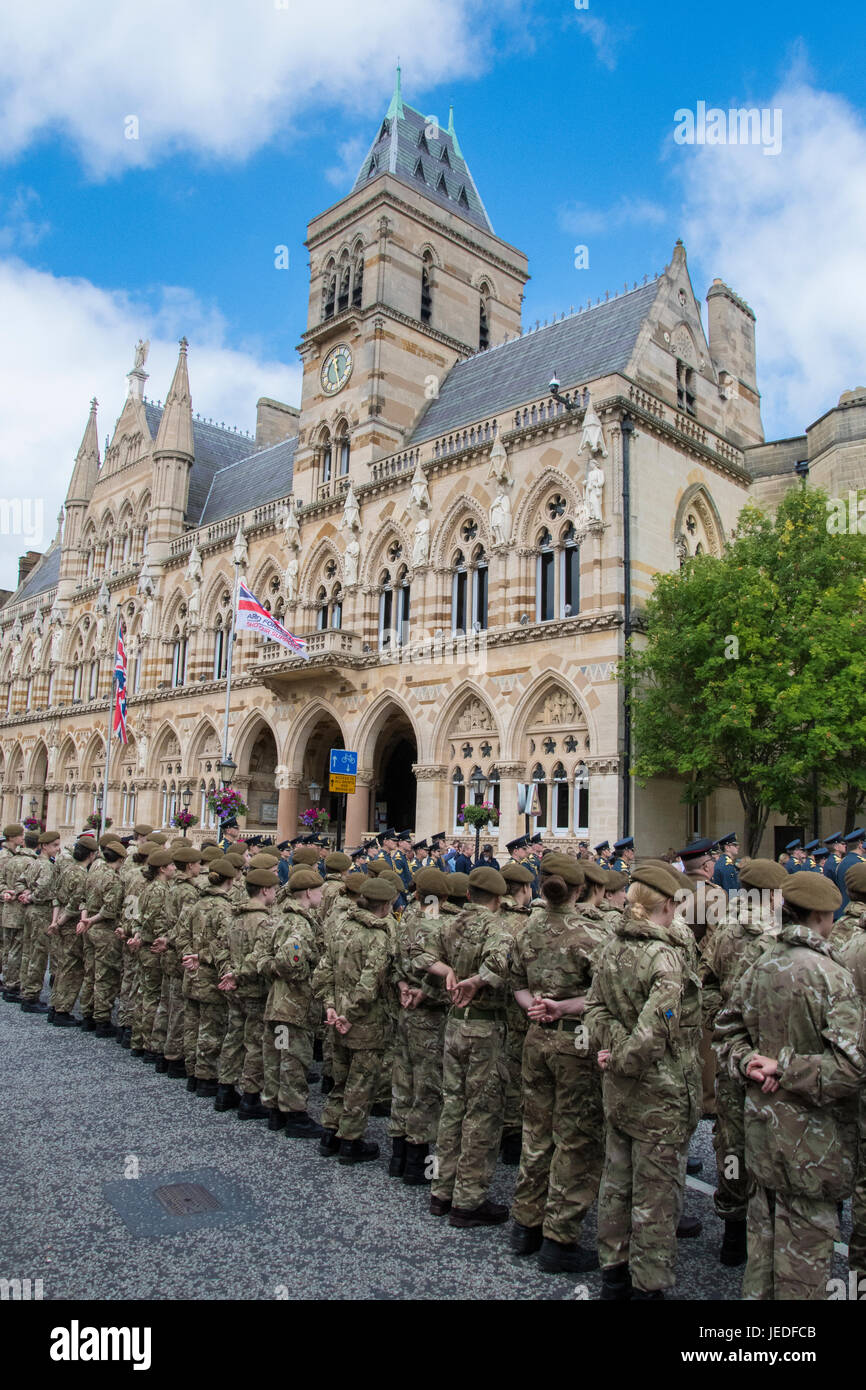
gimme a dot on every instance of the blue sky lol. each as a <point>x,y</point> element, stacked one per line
<point>253,118</point>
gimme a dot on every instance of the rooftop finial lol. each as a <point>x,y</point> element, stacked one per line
<point>452,132</point>
<point>396,107</point>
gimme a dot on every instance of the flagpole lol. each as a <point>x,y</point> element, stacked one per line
<point>111,707</point>
<point>229,662</point>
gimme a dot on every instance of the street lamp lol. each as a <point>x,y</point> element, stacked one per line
<point>33,805</point>
<point>479,784</point>
<point>186,798</point>
<point>228,768</point>
<point>314,791</point>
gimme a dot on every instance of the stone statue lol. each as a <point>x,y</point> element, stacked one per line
<point>145,579</point>
<point>420,493</point>
<point>141,351</point>
<point>142,752</point>
<point>421,544</point>
<point>592,437</point>
<point>472,716</point>
<point>15,637</point>
<point>592,490</point>
<point>38,639</point>
<point>289,522</point>
<point>351,511</point>
<point>55,619</point>
<point>499,466</point>
<point>682,549</point>
<point>240,554</point>
<point>291,578</point>
<point>351,561</point>
<point>500,517</point>
<point>194,577</point>
<point>147,614</point>
<point>558,708</point>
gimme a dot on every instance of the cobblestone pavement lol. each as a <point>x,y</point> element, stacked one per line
<point>80,1113</point>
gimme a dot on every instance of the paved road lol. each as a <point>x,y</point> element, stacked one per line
<point>80,1113</point>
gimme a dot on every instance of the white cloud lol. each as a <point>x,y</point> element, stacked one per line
<point>604,40</point>
<point>217,77</point>
<point>350,153</point>
<point>787,232</point>
<point>21,225</point>
<point>73,340</point>
<point>580,219</point>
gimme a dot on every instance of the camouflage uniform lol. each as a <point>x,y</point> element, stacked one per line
<point>845,927</point>
<point>13,917</point>
<point>798,1004</point>
<point>645,1006</point>
<point>475,1075</point>
<point>352,978</point>
<point>416,1092</point>
<point>241,1060</point>
<point>286,959</point>
<point>5,856</point>
<point>167,1036</point>
<point>155,918</point>
<point>853,957</point>
<point>563,1122</point>
<point>734,946</point>
<point>704,914</point>
<point>205,1010</point>
<point>70,883</point>
<point>103,894</point>
<point>514,918</point>
<point>38,880</point>
<point>133,886</point>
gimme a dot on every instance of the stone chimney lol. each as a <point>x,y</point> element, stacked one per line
<point>26,563</point>
<point>275,421</point>
<point>732,334</point>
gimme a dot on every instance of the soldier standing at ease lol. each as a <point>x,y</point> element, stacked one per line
<point>853,956</point>
<point>794,1035</point>
<point>351,980</point>
<point>23,847</point>
<point>514,910</point>
<point>155,918</point>
<point>36,892</point>
<point>644,1015</point>
<point>613,902</point>
<point>103,899</point>
<point>197,941</point>
<point>69,889</point>
<point>241,1060</point>
<point>168,1024</point>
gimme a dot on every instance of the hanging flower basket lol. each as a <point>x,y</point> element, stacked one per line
<point>484,813</point>
<point>314,818</point>
<point>33,823</point>
<point>184,820</point>
<point>226,803</point>
<point>93,821</point>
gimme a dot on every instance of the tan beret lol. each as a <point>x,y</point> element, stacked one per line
<point>305,854</point>
<point>11,832</point>
<point>593,873</point>
<point>108,838</point>
<point>142,830</point>
<point>855,882</point>
<point>615,880</point>
<point>813,892</point>
<point>303,878</point>
<point>263,878</point>
<point>209,844</point>
<point>186,854</point>
<point>355,881</point>
<point>393,878</point>
<point>656,876</point>
<point>682,880</point>
<point>116,848</point>
<point>375,868</point>
<point>236,858</point>
<point>224,867</point>
<point>763,873</point>
<point>567,869</point>
<point>432,880</point>
<point>159,837</point>
<point>513,872</point>
<point>88,839</point>
<point>211,852</point>
<point>49,836</point>
<point>458,885</point>
<point>380,890</point>
<point>488,881</point>
<point>158,858</point>
<point>337,863</point>
<point>262,860</point>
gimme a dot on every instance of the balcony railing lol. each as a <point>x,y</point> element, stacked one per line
<point>394,465</point>
<point>334,641</point>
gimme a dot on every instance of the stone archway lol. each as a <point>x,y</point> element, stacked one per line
<point>321,738</point>
<point>260,792</point>
<point>395,789</point>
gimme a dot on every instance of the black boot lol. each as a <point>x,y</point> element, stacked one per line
<point>357,1151</point>
<point>192,1083</point>
<point>415,1172</point>
<point>104,1030</point>
<point>509,1149</point>
<point>12,994</point>
<point>487,1214</point>
<point>161,1066</point>
<point>300,1125</point>
<point>645,1295</point>
<point>208,1089</point>
<point>397,1165</point>
<point>525,1240</point>
<point>616,1284</point>
<point>277,1119</point>
<point>176,1068</point>
<point>382,1109</point>
<point>32,1006</point>
<point>50,1015</point>
<point>312,1078</point>
<point>327,1084</point>
<point>693,1166</point>
<point>733,1251</point>
<point>121,1033</point>
<point>689,1228</point>
<point>250,1107</point>
<point>64,1021</point>
<point>227,1098</point>
<point>149,1057</point>
<point>556,1258</point>
<point>329,1145</point>
<point>88,1024</point>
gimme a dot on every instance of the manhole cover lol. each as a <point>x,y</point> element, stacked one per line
<point>186,1199</point>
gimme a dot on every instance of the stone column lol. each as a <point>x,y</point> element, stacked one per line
<point>287,806</point>
<point>358,808</point>
<point>605,792</point>
<point>511,824</point>
<point>429,806</point>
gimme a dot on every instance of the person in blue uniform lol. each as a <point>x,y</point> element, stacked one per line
<point>520,853</point>
<point>623,855</point>
<point>821,854</point>
<point>486,860</point>
<point>437,852</point>
<point>725,873</point>
<point>837,847</point>
<point>229,834</point>
<point>603,854</point>
<point>809,851</point>
<point>854,855</point>
<point>284,868</point>
<point>796,856</point>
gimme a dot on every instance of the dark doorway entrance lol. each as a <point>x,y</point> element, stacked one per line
<point>784,834</point>
<point>395,782</point>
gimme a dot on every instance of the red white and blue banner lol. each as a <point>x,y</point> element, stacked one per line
<point>255,618</point>
<point>119,723</point>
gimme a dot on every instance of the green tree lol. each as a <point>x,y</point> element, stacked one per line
<point>753,671</point>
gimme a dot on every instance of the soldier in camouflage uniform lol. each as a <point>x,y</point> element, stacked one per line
<point>644,1016</point>
<point>613,903</point>
<point>36,892</point>
<point>103,907</point>
<point>167,1037</point>
<point>853,956</point>
<point>286,960</point>
<point>514,910</point>
<point>251,930</point>
<point>70,884</point>
<point>351,980</point>
<point>746,932</point>
<point>7,852</point>
<point>155,918</point>
<point>794,1035</point>
<point>23,848</point>
<point>470,952</point>
<point>416,1080</point>
<point>197,942</point>
<point>133,883</point>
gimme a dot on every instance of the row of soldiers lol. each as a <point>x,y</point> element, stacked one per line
<point>572,1022</point>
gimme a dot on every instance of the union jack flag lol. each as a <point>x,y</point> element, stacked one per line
<point>252,615</point>
<point>119,725</point>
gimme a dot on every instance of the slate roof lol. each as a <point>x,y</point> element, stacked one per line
<point>251,482</point>
<point>434,166</point>
<point>215,448</point>
<point>587,345</point>
<point>43,576</point>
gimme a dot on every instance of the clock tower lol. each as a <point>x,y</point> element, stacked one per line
<point>407,277</point>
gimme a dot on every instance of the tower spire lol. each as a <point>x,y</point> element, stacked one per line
<point>396,107</point>
<point>175,428</point>
<point>452,132</point>
<point>86,469</point>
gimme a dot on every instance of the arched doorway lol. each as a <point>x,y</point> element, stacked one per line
<point>395,789</point>
<point>325,735</point>
<point>261,796</point>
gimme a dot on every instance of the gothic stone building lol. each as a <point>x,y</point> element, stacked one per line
<point>462,548</point>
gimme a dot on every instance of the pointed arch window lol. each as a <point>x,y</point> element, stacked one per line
<point>321,609</point>
<point>569,585</point>
<point>326,458</point>
<point>458,796</point>
<point>76,680</point>
<point>493,787</point>
<point>394,602</point>
<point>581,800</point>
<point>358,278</point>
<point>459,582</point>
<point>178,657</point>
<point>479,590</point>
<point>342,446</point>
<point>329,290</point>
<point>337,607</point>
<point>49,689</point>
<point>345,276</point>
<point>484,318</point>
<point>93,680</point>
<point>220,649</point>
<point>544,578</point>
<point>540,779</point>
<point>561,818</point>
<point>686,398</point>
<point>427,287</point>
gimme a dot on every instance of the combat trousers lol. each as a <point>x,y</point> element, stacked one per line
<point>562,1153</point>
<point>515,1033</point>
<point>88,955</point>
<point>106,969</point>
<point>287,1055</point>
<point>167,1036</point>
<point>790,1246</point>
<point>356,1081</point>
<point>474,1077</point>
<point>386,1070</point>
<point>708,1072</point>
<point>147,1002</point>
<point>204,1027</point>
<point>128,988</point>
<point>34,960</point>
<point>241,1053</point>
<point>69,970</point>
<point>857,1244</point>
<point>731,1197</point>
<point>639,1206</point>
<point>13,942</point>
<point>416,1092</point>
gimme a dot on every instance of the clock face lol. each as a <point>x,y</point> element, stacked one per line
<point>336,369</point>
